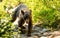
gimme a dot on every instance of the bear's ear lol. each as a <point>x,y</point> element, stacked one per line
<point>30,11</point>
<point>22,12</point>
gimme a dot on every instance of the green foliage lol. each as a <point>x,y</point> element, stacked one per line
<point>44,11</point>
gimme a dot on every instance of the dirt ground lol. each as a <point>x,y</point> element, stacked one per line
<point>40,33</point>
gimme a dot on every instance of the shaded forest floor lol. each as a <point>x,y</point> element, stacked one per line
<point>38,32</point>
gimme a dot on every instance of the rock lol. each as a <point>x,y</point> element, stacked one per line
<point>56,32</point>
<point>57,37</point>
<point>35,37</point>
<point>46,34</point>
<point>43,37</point>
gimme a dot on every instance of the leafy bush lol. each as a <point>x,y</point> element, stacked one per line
<point>44,11</point>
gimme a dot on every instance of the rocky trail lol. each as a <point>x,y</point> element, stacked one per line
<point>40,33</point>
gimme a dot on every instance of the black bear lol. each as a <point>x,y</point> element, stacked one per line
<point>23,13</point>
